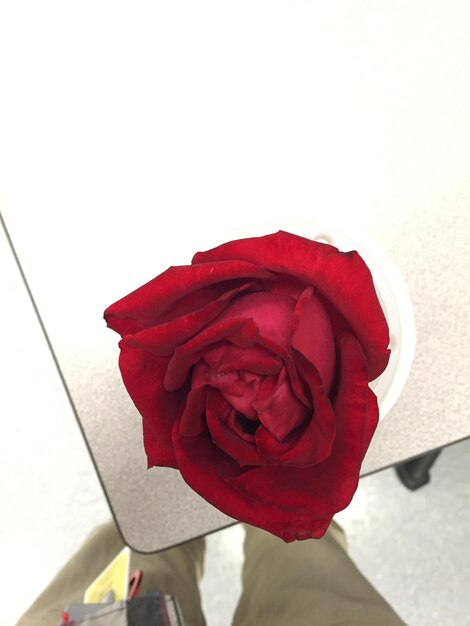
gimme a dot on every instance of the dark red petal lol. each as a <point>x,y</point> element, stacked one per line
<point>217,410</point>
<point>231,386</point>
<point>192,420</point>
<point>353,293</point>
<point>219,369</point>
<point>178,291</point>
<point>215,475</point>
<point>357,415</point>
<point>273,314</point>
<point>287,285</point>
<point>309,444</point>
<point>263,347</point>
<point>277,407</point>
<point>324,415</point>
<point>289,363</point>
<point>343,278</point>
<point>242,426</point>
<point>162,339</point>
<point>293,503</point>
<point>224,357</point>
<point>297,491</point>
<point>142,374</point>
<point>240,332</point>
<point>279,251</point>
<point>236,392</point>
<point>313,336</point>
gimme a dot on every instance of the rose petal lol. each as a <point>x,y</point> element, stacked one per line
<point>293,503</point>
<point>142,374</point>
<point>357,415</point>
<point>274,317</point>
<point>192,420</point>
<point>240,332</point>
<point>163,339</point>
<point>287,285</point>
<point>242,426</point>
<point>297,489</point>
<point>214,475</point>
<point>239,387</point>
<point>178,291</point>
<point>237,392</point>
<point>277,407</point>
<point>228,383</point>
<point>313,337</point>
<point>244,452</point>
<point>272,313</point>
<point>307,445</point>
<point>225,357</point>
<point>324,416</point>
<point>343,278</point>
<point>280,251</point>
<point>231,386</point>
<point>288,361</point>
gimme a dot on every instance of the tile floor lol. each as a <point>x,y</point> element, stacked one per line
<point>415,547</point>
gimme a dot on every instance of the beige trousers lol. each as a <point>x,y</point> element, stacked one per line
<point>305,583</point>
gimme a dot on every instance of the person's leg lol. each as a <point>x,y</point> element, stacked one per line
<point>176,571</point>
<point>306,582</point>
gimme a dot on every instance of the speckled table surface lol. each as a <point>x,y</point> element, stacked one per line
<point>97,210</point>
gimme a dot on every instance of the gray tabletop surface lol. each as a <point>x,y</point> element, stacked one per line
<point>161,134</point>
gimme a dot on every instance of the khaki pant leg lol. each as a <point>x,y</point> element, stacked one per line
<point>176,571</point>
<point>312,582</point>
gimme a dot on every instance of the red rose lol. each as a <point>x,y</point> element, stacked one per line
<point>250,368</point>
